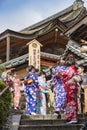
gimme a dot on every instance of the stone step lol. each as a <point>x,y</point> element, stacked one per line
<point>49,122</point>
<point>41,117</point>
<point>83,115</point>
<point>49,116</point>
<point>46,122</point>
<point>41,122</point>
<point>50,127</point>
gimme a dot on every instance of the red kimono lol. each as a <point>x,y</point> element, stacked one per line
<point>71,92</point>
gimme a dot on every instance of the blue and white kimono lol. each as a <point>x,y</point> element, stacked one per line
<point>58,90</point>
<point>31,94</point>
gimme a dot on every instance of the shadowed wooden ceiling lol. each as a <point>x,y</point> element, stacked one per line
<point>80,33</point>
<point>51,41</point>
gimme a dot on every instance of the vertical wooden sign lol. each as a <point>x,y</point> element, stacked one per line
<point>34,53</point>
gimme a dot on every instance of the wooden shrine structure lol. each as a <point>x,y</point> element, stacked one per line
<point>59,34</point>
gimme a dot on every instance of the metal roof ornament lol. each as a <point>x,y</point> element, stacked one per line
<point>78,4</point>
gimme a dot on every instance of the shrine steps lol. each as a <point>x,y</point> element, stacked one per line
<point>48,122</point>
<point>50,127</point>
<point>20,121</point>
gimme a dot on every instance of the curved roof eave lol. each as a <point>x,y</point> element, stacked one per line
<point>73,25</point>
<point>12,33</point>
<point>49,18</point>
<point>32,34</point>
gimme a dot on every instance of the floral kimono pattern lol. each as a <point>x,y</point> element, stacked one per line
<point>71,92</point>
<point>59,90</point>
<point>41,109</point>
<point>17,93</point>
<point>31,94</point>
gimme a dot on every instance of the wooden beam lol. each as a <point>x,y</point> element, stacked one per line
<point>72,29</point>
<point>8,49</point>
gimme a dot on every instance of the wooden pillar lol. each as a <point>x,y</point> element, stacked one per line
<point>85,98</point>
<point>8,49</point>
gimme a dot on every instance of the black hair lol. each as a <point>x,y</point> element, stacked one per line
<point>42,73</point>
<point>70,60</point>
<point>30,68</point>
<point>85,69</point>
<point>10,73</point>
<point>36,70</point>
<point>81,66</point>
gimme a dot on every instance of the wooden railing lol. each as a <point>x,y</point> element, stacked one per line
<point>4,90</point>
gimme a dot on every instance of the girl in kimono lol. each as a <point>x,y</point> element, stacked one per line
<point>42,91</point>
<point>58,88</point>
<point>17,92</point>
<point>70,80</point>
<point>31,91</point>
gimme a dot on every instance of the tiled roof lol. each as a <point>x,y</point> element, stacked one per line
<point>71,46</point>
<point>67,17</point>
<point>75,48</point>
<point>22,59</point>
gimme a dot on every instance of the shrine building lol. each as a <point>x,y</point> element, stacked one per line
<point>59,34</point>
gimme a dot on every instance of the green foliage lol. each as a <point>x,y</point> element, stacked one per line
<point>5,101</point>
<point>2,68</point>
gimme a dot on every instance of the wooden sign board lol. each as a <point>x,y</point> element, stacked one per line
<point>34,53</point>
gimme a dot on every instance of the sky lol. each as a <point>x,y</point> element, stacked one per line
<point>19,14</point>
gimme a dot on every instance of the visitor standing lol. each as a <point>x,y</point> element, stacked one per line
<point>43,90</point>
<point>31,91</point>
<point>17,91</point>
<point>58,88</point>
<point>70,81</point>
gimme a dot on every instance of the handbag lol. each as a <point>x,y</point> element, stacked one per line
<point>28,81</point>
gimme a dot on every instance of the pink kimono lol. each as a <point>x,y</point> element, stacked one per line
<point>17,94</point>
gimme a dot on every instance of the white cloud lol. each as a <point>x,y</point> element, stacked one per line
<point>19,20</point>
<point>27,15</point>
